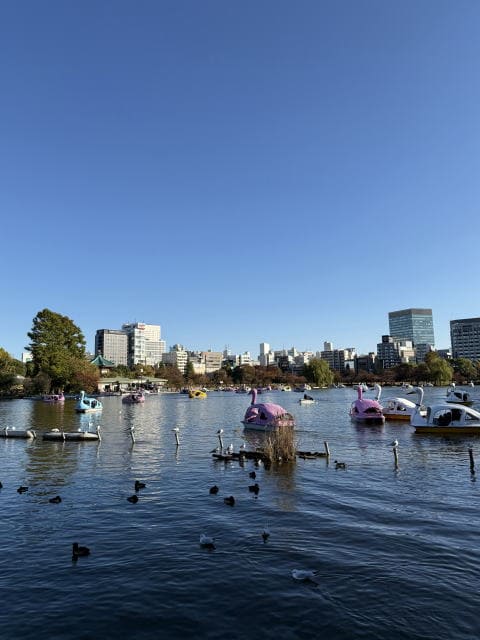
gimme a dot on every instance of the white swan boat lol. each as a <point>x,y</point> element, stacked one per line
<point>461,396</point>
<point>397,408</point>
<point>446,418</point>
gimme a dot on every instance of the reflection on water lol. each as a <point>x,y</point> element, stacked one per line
<point>381,539</point>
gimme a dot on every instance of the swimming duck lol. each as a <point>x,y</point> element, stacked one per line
<point>139,485</point>
<point>252,475</point>
<point>340,465</point>
<point>265,533</point>
<point>133,498</point>
<point>254,488</point>
<point>78,551</point>
<point>214,489</point>
<point>22,489</point>
<point>207,541</point>
<point>55,500</point>
<point>303,574</point>
<point>230,500</point>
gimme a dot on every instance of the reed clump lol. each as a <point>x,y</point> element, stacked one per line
<point>280,445</point>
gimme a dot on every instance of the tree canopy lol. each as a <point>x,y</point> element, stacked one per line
<point>56,344</point>
<point>318,372</point>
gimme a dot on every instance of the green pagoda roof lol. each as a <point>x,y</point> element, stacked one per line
<point>100,361</point>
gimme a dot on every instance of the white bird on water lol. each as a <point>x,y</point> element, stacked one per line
<point>303,574</point>
<point>207,541</point>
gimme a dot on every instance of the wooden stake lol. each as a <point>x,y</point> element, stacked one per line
<point>327,450</point>
<point>395,455</point>
<point>176,430</point>
<point>472,461</point>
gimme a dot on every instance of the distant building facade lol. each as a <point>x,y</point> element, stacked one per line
<point>392,352</point>
<point>112,344</point>
<point>465,338</point>
<point>176,357</point>
<point>145,345</point>
<point>412,324</point>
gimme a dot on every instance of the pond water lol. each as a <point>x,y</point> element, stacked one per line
<point>396,551</point>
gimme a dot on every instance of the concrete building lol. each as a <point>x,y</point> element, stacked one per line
<point>112,344</point>
<point>412,324</point>
<point>337,358</point>
<point>465,338</point>
<point>392,352</point>
<point>145,345</point>
<point>266,356</point>
<point>177,357</point>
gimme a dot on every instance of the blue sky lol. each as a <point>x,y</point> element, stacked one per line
<point>239,172</point>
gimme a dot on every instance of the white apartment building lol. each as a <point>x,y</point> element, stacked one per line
<point>177,357</point>
<point>145,345</point>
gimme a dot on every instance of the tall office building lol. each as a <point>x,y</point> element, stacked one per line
<point>412,324</point>
<point>112,344</point>
<point>465,338</point>
<point>144,343</point>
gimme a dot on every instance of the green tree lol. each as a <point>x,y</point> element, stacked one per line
<point>464,369</point>
<point>318,372</point>
<point>56,342</point>
<point>441,372</point>
<point>9,369</point>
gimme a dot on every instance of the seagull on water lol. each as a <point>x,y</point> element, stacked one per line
<point>303,574</point>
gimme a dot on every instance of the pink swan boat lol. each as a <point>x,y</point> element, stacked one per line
<point>265,416</point>
<point>366,411</point>
<point>137,397</point>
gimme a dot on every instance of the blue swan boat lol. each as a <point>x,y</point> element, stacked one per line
<point>87,405</point>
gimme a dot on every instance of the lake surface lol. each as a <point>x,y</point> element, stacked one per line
<point>397,551</point>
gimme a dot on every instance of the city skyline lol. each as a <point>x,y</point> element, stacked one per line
<point>240,173</point>
<point>255,352</point>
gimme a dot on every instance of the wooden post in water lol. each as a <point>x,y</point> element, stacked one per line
<point>219,434</point>
<point>395,455</point>
<point>472,461</point>
<point>132,434</point>
<point>176,430</point>
<point>327,450</point>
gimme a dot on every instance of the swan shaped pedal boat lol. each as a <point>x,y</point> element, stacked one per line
<point>87,405</point>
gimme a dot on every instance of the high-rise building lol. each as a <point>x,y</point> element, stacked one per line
<point>112,344</point>
<point>412,324</point>
<point>465,338</point>
<point>144,343</point>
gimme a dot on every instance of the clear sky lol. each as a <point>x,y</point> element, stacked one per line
<point>239,171</point>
